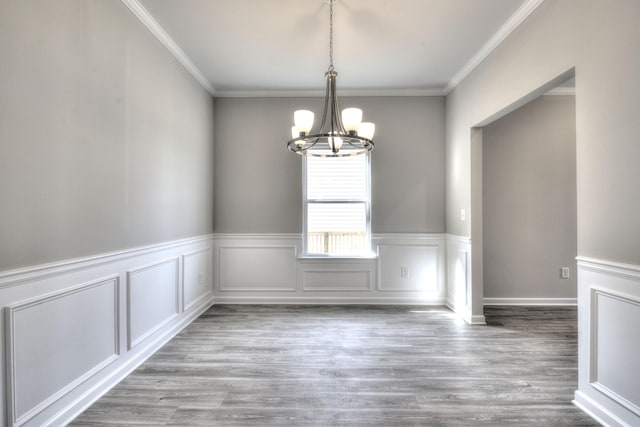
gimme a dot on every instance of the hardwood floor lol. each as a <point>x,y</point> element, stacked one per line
<point>355,366</point>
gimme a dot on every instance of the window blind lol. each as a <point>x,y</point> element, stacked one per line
<point>342,178</point>
<point>337,198</point>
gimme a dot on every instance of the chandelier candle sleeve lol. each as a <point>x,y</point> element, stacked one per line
<point>351,119</point>
<point>366,130</point>
<point>303,120</point>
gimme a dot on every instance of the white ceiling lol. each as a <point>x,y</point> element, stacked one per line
<point>249,47</point>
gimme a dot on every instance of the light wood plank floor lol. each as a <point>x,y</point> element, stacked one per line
<point>355,366</point>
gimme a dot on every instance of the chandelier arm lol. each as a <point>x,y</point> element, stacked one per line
<point>334,123</point>
<point>362,142</point>
<point>326,103</point>
<point>336,108</point>
<point>315,141</point>
<point>335,129</point>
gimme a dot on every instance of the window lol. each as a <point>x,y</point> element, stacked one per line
<point>337,201</point>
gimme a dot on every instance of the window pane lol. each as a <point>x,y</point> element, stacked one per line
<point>342,178</point>
<point>336,228</point>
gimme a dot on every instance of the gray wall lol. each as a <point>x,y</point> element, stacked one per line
<point>529,201</point>
<point>105,140</point>
<point>258,182</point>
<point>601,39</point>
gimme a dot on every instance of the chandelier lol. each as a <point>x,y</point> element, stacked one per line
<point>339,135</point>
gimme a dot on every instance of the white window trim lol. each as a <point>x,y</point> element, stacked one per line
<point>305,202</point>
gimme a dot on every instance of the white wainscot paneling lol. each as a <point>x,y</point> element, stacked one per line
<point>458,273</point>
<point>257,268</point>
<point>608,340</point>
<point>69,325</point>
<point>616,347</point>
<point>57,341</point>
<point>196,277</point>
<point>408,268</point>
<point>152,299</point>
<point>336,277</point>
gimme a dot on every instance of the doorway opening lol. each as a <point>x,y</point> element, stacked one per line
<point>524,227</point>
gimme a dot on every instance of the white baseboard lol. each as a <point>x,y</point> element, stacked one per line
<point>532,301</point>
<point>596,411</point>
<point>269,300</point>
<point>474,319</point>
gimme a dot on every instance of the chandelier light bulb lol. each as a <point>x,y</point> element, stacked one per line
<point>366,130</point>
<point>303,120</point>
<point>351,118</point>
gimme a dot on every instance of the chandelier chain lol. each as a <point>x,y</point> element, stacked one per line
<point>331,35</point>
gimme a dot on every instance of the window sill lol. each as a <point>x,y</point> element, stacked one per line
<point>369,257</point>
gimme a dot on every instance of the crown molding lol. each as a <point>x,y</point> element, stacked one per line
<point>263,93</point>
<point>319,93</point>
<point>152,25</point>
<point>562,91</point>
<point>512,23</point>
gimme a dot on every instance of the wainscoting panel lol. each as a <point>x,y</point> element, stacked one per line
<point>196,277</point>
<point>334,279</point>
<point>73,329</point>
<point>459,274</point>
<point>152,299</point>
<point>263,269</point>
<point>609,345</point>
<point>408,268</point>
<point>57,341</point>
<point>612,315</point>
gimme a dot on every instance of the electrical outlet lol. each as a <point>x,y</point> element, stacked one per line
<point>463,214</point>
<point>564,273</point>
<point>404,272</point>
<point>201,278</point>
